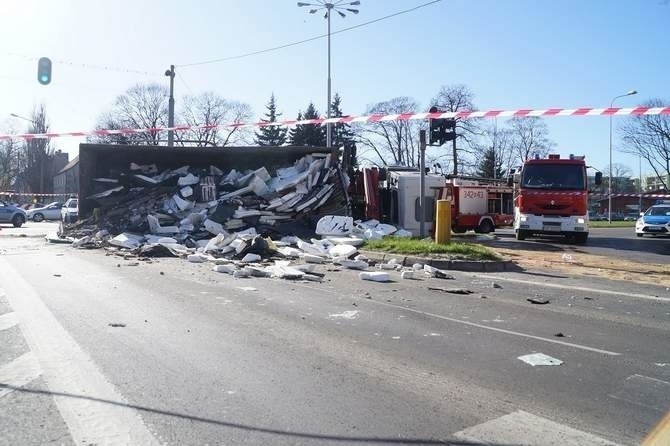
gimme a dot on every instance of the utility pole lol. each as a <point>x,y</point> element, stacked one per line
<point>329,127</point>
<point>453,148</point>
<point>422,183</point>
<point>170,73</point>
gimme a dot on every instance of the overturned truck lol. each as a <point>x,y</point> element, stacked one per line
<point>193,194</point>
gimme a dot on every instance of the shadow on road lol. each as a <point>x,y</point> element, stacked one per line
<point>264,430</point>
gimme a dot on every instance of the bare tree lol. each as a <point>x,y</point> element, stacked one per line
<point>529,136</point>
<point>455,98</point>
<point>10,163</point>
<point>141,106</point>
<point>648,136</point>
<point>37,154</point>
<point>620,177</point>
<point>211,109</point>
<point>392,142</point>
<point>494,149</point>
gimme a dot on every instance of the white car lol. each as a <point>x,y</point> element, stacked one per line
<point>70,210</point>
<point>48,212</point>
<point>655,221</point>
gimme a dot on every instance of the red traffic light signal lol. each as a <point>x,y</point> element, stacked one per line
<point>44,70</point>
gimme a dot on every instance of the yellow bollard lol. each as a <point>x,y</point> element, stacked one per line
<point>443,221</point>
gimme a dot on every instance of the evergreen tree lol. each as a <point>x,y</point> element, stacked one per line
<point>489,166</point>
<point>271,135</point>
<point>309,135</point>
<point>340,133</point>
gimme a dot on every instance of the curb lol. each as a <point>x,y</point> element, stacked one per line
<point>481,266</point>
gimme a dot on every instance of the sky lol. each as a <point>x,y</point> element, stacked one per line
<point>512,54</point>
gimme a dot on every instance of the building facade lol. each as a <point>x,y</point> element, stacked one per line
<point>66,181</point>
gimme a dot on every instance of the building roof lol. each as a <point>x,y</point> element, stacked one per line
<point>70,165</point>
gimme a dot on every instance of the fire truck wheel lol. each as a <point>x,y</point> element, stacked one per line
<point>581,238</point>
<point>486,227</point>
<point>521,234</point>
<point>458,230</point>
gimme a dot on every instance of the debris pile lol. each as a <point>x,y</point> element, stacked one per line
<point>243,223</point>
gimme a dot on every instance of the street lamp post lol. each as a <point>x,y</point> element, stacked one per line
<point>339,7</point>
<point>609,182</point>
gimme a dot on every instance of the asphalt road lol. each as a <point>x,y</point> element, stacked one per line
<point>609,242</point>
<point>192,357</point>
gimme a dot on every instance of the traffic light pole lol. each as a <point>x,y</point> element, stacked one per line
<point>422,183</point>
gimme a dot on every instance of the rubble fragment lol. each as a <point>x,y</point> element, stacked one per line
<point>536,359</point>
<point>375,276</point>
<point>538,300</point>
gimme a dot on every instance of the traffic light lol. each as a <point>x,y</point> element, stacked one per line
<point>441,130</point>
<point>44,70</point>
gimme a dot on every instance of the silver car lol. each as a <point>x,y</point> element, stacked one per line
<point>12,214</point>
<point>48,212</point>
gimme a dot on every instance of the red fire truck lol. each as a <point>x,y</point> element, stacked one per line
<point>552,198</point>
<point>479,204</point>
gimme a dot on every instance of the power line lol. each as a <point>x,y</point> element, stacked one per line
<point>300,42</point>
<point>85,65</point>
<point>183,81</point>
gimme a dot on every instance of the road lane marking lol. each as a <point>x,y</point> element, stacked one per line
<point>7,321</point>
<point>19,372</point>
<point>474,324</point>
<point>645,391</point>
<point>576,288</point>
<point>68,370</point>
<point>525,428</point>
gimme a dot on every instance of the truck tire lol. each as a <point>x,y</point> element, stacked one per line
<point>18,221</point>
<point>639,234</point>
<point>38,217</point>
<point>486,226</point>
<point>458,230</point>
<point>581,238</point>
<point>521,234</point>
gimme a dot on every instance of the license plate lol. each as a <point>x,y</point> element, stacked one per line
<point>652,229</point>
<point>551,228</point>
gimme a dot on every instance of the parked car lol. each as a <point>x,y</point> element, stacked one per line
<point>51,211</point>
<point>70,210</point>
<point>656,220</point>
<point>633,216</point>
<point>12,214</point>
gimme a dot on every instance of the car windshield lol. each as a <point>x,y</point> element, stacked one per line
<point>659,210</point>
<point>73,204</point>
<point>553,176</point>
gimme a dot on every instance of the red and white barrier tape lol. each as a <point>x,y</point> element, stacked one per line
<point>547,112</point>
<point>23,194</point>
<point>593,194</point>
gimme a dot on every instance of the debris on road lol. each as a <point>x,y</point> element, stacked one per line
<point>540,359</point>
<point>451,290</point>
<point>247,288</point>
<point>559,335</point>
<point>57,275</point>
<point>431,271</point>
<point>375,276</point>
<point>407,275</point>
<point>116,324</point>
<point>349,314</point>
<point>538,300</point>
<point>495,285</point>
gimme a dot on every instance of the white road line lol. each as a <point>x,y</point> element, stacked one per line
<point>474,324</point>
<point>577,288</point>
<point>524,428</point>
<point>7,321</point>
<point>19,372</point>
<point>645,391</point>
<point>68,369</point>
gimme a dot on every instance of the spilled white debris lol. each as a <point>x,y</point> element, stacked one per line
<point>537,359</point>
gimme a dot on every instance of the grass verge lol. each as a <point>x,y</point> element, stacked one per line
<point>415,246</point>
<point>614,224</point>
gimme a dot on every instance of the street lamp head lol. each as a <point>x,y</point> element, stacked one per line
<point>313,11</point>
<point>632,92</point>
<point>355,11</point>
<point>355,3</point>
<point>300,4</point>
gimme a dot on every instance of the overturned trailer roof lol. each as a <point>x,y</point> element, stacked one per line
<point>97,160</point>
